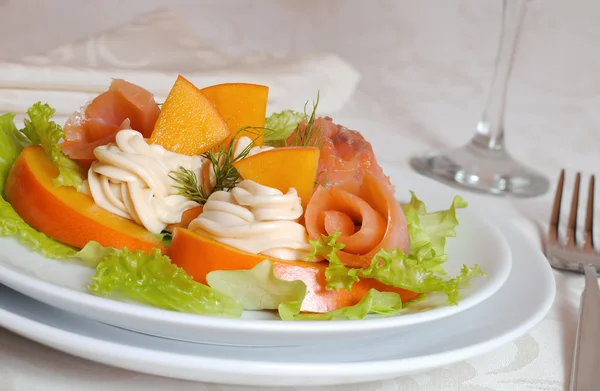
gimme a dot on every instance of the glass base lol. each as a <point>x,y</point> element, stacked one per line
<point>481,169</point>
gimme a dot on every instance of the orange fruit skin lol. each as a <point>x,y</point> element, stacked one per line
<point>241,104</point>
<point>282,169</point>
<point>199,255</point>
<point>188,122</point>
<point>64,214</point>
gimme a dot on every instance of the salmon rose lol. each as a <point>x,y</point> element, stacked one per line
<point>368,218</point>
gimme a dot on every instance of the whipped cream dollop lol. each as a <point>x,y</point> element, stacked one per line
<point>257,219</point>
<point>131,179</point>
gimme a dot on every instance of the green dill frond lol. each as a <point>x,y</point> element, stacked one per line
<point>186,182</point>
<point>311,136</point>
<point>323,174</point>
<point>222,159</point>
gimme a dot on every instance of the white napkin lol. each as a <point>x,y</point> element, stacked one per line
<point>151,51</point>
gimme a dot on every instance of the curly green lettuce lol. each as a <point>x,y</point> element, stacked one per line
<point>419,271</point>
<point>150,277</point>
<point>428,231</point>
<point>41,130</point>
<point>374,302</point>
<point>12,142</point>
<point>279,126</point>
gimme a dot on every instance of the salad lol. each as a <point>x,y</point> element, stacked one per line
<point>204,205</point>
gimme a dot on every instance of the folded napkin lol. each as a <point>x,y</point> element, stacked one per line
<point>151,51</point>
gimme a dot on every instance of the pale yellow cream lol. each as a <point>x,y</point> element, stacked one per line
<point>256,219</point>
<point>131,179</point>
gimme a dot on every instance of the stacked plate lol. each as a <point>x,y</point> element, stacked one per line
<point>47,301</point>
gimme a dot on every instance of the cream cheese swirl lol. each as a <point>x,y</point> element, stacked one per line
<point>131,179</point>
<point>257,219</point>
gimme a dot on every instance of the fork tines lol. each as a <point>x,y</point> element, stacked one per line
<point>571,235</point>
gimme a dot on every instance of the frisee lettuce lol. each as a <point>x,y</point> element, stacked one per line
<point>396,269</point>
<point>150,277</point>
<point>41,130</point>
<point>336,274</point>
<point>11,144</point>
<point>279,126</point>
<point>419,271</point>
<point>11,224</point>
<point>374,302</point>
<point>428,231</point>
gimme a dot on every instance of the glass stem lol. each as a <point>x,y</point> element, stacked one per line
<point>490,129</point>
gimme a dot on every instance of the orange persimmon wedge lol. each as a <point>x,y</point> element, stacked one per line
<point>64,214</point>
<point>240,105</point>
<point>282,169</point>
<point>188,122</point>
<point>199,255</point>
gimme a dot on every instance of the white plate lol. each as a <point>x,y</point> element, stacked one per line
<point>63,285</point>
<point>505,316</point>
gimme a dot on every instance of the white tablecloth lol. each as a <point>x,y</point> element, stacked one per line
<point>425,68</point>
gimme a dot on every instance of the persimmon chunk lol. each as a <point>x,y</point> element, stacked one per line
<point>188,122</point>
<point>241,105</point>
<point>64,214</point>
<point>282,169</point>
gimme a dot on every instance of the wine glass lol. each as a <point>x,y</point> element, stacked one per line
<point>484,164</point>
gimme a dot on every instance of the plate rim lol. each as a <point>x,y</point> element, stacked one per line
<point>140,355</point>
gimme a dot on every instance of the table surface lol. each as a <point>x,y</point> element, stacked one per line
<point>425,67</point>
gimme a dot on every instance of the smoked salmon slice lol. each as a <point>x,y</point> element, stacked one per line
<point>368,221</point>
<point>98,122</point>
<point>345,155</point>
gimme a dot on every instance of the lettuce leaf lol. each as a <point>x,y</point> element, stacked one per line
<point>336,274</point>
<point>92,254</point>
<point>374,302</point>
<point>428,231</point>
<point>11,144</point>
<point>396,269</point>
<point>419,271</point>
<point>41,130</point>
<point>151,278</point>
<point>11,224</point>
<point>279,126</point>
<point>258,288</point>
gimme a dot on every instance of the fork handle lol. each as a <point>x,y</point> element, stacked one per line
<point>586,358</point>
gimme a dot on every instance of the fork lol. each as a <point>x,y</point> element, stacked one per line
<point>571,255</point>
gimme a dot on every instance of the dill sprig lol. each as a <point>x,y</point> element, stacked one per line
<point>186,182</point>
<point>222,160</point>
<point>225,175</point>
<point>324,177</point>
<point>311,136</point>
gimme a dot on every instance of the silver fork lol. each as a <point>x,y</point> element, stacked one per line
<point>583,258</point>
